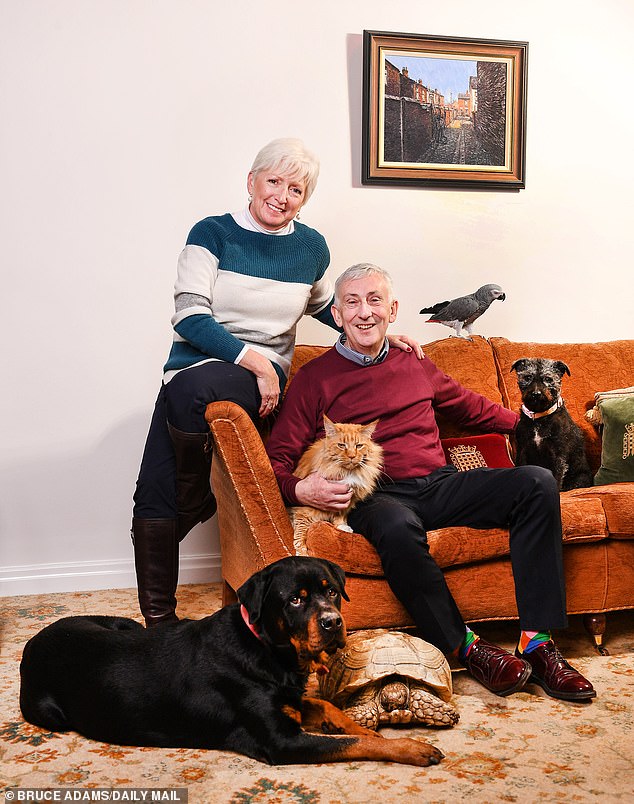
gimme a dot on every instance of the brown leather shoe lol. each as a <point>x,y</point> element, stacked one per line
<point>555,676</point>
<point>496,668</point>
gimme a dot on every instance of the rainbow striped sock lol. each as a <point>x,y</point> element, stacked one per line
<point>529,640</point>
<point>469,641</point>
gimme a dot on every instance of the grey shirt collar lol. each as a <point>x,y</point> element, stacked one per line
<point>357,357</point>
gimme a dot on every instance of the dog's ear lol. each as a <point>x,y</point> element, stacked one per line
<point>561,368</point>
<point>339,577</point>
<point>520,364</point>
<point>253,591</point>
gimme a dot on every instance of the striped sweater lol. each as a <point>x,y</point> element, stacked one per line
<point>239,289</point>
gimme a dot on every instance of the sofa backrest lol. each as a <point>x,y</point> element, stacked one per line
<point>593,367</point>
<point>302,355</point>
<point>485,366</point>
<point>473,365</point>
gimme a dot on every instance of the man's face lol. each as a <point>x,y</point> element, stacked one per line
<point>364,312</point>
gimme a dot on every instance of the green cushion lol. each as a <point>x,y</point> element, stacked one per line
<point>617,448</point>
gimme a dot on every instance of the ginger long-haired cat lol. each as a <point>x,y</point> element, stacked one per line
<point>347,453</point>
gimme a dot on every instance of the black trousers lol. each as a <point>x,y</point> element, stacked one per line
<point>525,499</point>
<point>182,403</point>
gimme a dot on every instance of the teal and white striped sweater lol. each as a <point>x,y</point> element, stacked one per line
<point>238,288</point>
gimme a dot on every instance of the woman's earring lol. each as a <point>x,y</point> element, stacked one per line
<point>250,198</point>
<point>297,217</point>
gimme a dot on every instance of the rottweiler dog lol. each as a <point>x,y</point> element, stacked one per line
<point>233,681</point>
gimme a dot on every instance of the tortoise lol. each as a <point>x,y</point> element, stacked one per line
<point>384,677</point>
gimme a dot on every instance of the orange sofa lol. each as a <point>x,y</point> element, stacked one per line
<point>598,522</point>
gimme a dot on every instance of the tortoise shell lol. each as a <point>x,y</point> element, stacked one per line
<point>378,653</point>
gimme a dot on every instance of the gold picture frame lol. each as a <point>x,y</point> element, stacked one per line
<point>443,111</point>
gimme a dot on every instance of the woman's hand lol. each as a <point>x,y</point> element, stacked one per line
<point>407,344</point>
<point>267,379</point>
<point>327,495</point>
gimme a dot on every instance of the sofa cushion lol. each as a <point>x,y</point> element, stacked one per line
<point>480,451</point>
<point>592,366</point>
<point>582,516</point>
<point>617,441</point>
<point>594,414</point>
<point>616,501</point>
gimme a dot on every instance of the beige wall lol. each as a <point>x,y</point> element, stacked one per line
<point>125,121</point>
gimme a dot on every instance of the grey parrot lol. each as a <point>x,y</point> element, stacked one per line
<point>460,313</point>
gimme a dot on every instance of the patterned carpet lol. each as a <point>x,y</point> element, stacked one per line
<point>523,748</point>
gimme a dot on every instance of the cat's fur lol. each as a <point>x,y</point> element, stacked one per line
<point>347,453</point>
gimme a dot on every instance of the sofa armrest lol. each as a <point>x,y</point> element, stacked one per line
<point>254,526</point>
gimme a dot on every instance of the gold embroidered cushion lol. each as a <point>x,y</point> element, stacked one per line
<point>479,451</point>
<point>617,445</point>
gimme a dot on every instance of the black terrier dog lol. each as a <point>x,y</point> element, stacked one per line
<point>546,434</point>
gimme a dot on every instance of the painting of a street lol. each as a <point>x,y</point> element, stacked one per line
<point>444,111</point>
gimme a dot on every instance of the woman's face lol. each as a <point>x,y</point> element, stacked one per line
<point>275,199</point>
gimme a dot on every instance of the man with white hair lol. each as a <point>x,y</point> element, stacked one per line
<point>361,379</point>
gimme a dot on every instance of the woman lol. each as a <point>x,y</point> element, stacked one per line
<point>243,282</point>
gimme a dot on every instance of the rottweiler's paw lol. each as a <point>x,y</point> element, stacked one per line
<point>416,752</point>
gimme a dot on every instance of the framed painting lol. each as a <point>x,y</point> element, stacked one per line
<point>443,111</point>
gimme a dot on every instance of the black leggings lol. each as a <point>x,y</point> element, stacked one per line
<point>396,518</point>
<point>182,403</point>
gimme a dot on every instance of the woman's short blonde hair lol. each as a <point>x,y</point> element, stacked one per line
<point>290,157</point>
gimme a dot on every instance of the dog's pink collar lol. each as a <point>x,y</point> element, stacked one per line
<point>553,409</point>
<point>249,625</point>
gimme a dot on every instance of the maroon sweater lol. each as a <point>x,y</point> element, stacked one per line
<point>402,392</point>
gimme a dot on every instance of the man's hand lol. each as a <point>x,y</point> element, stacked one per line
<point>407,344</point>
<point>327,495</point>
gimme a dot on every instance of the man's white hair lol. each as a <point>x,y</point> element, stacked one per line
<point>360,271</point>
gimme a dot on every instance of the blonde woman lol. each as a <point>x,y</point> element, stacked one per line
<point>243,282</point>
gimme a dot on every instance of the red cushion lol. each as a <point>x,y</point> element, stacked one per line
<point>490,450</point>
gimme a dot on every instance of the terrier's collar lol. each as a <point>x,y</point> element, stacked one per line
<point>553,409</point>
<point>249,625</point>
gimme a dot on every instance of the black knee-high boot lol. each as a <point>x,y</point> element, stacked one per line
<point>194,499</point>
<point>156,561</point>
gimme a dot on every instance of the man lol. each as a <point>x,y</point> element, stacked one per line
<point>361,379</point>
